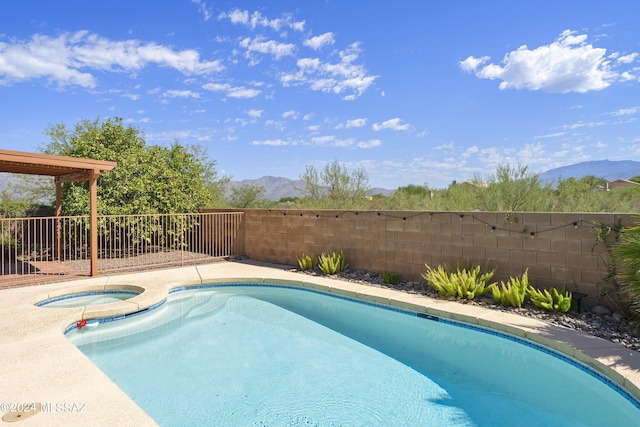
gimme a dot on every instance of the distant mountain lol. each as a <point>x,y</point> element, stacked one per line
<point>278,187</point>
<point>606,169</point>
<point>275,187</point>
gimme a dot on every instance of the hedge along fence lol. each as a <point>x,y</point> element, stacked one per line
<point>557,248</point>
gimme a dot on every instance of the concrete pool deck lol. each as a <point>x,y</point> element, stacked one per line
<point>40,365</point>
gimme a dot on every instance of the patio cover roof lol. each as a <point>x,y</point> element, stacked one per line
<point>64,169</point>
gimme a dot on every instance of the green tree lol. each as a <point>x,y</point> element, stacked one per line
<point>414,190</point>
<point>246,196</point>
<point>515,188</point>
<point>410,197</point>
<point>147,179</point>
<point>458,197</point>
<point>335,187</point>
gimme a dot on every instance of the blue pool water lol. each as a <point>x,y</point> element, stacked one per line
<point>275,356</point>
<point>82,299</point>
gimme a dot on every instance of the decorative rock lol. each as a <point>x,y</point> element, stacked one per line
<point>600,310</point>
<point>618,316</point>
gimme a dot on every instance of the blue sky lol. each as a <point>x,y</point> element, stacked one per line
<point>415,92</point>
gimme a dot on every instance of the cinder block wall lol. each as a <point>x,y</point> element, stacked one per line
<point>556,248</point>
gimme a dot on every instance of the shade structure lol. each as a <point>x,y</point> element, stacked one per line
<point>64,169</point>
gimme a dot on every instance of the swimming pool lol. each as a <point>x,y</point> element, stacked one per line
<point>269,355</point>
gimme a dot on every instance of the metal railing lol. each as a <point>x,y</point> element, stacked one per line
<point>47,249</point>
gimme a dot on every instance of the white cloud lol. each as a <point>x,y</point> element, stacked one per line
<point>318,42</point>
<point>291,113</point>
<point>627,59</point>
<point>369,144</point>
<point>255,113</point>
<point>356,123</point>
<point>181,94</point>
<point>470,151</point>
<point>69,58</point>
<point>242,92</point>
<point>625,111</point>
<point>583,124</point>
<point>471,64</point>
<point>569,64</point>
<point>261,45</point>
<point>392,124</point>
<point>275,124</point>
<point>232,91</point>
<point>256,19</point>
<point>272,142</point>
<point>550,135</point>
<point>343,78</point>
<point>203,9</point>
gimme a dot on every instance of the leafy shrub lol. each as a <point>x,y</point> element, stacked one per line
<point>461,283</point>
<point>627,258</point>
<point>550,300</point>
<point>307,262</point>
<point>24,210</point>
<point>391,277</point>
<point>332,263</point>
<point>513,292</point>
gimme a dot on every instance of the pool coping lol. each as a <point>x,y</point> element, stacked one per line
<point>43,366</point>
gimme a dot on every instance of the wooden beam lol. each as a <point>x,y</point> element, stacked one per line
<point>74,177</point>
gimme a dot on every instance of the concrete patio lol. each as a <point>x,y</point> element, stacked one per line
<point>41,366</point>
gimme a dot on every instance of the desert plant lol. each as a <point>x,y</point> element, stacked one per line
<point>460,283</point>
<point>550,300</point>
<point>627,257</point>
<point>332,263</point>
<point>307,262</point>
<point>391,277</point>
<point>513,292</point>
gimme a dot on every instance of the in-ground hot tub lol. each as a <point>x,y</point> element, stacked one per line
<point>93,297</point>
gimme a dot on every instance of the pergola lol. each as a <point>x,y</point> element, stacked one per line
<point>64,169</point>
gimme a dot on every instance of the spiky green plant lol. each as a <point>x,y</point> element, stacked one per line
<point>307,262</point>
<point>626,255</point>
<point>460,283</point>
<point>513,292</point>
<point>550,300</point>
<point>332,263</point>
<point>391,277</point>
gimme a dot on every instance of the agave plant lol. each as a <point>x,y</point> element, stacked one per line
<point>391,277</point>
<point>461,283</point>
<point>306,262</point>
<point>550,300</point>
<point>513,292</point>
<point>332,263</point>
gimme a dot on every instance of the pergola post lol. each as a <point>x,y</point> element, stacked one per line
<point>58,215</point>
<point>93,220</point>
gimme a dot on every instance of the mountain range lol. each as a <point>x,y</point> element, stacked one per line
<point>606,169</point>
